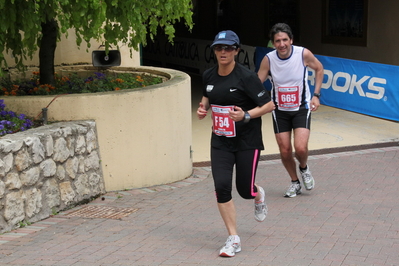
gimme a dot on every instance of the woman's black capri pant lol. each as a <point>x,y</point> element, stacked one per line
<point>222,163</point>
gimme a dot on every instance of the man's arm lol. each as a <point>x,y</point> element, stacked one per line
<point>264,68</point>
<point>312,62</point>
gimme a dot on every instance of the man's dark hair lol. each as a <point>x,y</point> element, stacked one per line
<point>280,27</point>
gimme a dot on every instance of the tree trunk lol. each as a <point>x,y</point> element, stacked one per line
<point>47,51</point>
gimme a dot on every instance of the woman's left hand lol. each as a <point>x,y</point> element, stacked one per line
<point>237,114</point>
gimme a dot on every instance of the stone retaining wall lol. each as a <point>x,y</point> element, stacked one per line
<point>48,169</point>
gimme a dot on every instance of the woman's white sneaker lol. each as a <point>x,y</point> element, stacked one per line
<point>231,247</point>
<point>261,207</point>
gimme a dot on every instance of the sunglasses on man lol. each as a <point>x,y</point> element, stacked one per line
<point>227,48</point>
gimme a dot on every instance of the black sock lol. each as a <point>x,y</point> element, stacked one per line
<point>303,169</point>
<point>295,181</point>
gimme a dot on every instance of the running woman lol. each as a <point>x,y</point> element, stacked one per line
<point>237,100</point>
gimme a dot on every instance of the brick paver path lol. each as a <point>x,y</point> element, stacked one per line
<point>350,218</point>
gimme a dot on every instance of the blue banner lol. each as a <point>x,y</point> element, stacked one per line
<point>358,86</point>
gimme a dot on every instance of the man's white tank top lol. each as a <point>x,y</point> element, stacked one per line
<point>289,77</point>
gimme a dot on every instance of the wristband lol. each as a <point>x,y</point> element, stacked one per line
<point>247,117</point>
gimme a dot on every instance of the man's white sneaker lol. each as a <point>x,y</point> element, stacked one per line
<point>293,190</point>
<point>231,247</point>
<point>308,180</point>
<point>260,207</point>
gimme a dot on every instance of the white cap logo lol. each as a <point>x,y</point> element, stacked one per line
<point>222,35</point>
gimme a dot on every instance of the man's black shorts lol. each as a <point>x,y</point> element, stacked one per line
<point>284,121</point>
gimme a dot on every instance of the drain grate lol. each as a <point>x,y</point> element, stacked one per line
<point>91,211</point>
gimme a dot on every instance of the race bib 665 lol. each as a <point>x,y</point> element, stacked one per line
<point>288,97</point>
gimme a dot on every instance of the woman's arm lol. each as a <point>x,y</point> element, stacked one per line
<point>238,114</point>
<point>202,110</point>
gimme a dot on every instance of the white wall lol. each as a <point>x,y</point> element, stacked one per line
<point>67,52</point>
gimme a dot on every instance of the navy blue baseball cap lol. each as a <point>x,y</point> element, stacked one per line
<point>227,37</point>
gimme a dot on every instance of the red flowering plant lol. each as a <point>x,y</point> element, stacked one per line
<point>10,122</point>
<point>73,83</point>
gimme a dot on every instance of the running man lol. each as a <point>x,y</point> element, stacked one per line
<point>286,67</point>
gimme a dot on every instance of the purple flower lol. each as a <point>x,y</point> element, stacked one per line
<point>11,122</point>
<point>89,79</point>
<point>99,75</point>
<point>12,114</point>
<point>28,123</point>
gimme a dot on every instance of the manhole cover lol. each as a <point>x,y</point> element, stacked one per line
<point>91,211</point>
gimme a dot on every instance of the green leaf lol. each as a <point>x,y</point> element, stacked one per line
<point>129,21</point>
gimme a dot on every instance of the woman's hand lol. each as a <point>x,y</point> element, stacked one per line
<point>237,114</point>
<point>201,111</point>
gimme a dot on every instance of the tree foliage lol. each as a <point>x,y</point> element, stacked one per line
<point>25,24</point>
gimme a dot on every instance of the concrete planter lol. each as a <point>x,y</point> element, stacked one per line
<point>144,134</point>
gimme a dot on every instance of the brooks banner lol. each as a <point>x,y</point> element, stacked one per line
<point>358,86</point>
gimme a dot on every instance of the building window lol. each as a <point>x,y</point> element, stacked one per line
<point>345,22</point>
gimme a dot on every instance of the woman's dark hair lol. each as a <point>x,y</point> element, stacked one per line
<point>280,27</point>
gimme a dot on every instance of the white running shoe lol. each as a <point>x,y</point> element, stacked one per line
<point>231,247</point>
<point>293,190</point>
<point>308,180</point>
<point>261,207</point>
